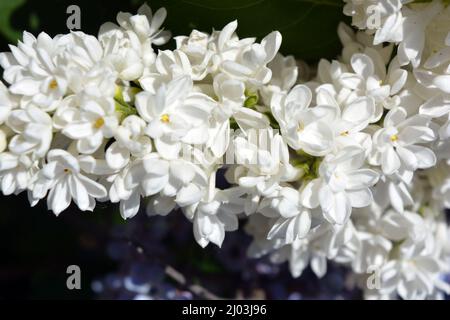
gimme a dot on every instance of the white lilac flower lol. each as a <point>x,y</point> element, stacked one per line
<point>418,22</point>
<point>81,54</point>
<point>390,81</point>
<point>284,76</point>
<point>168,66</point>
<point>378,234</point>
<point>16,172</point>
<point>434,71</point>
<point>215,213</point>
<point>358,174</point>
<point>91,123</point>
<point>175,114</point>
<point>34,131</point>
<point>178,179</point>
<point>130,141</point>
<point>251,64</point>
<point>397,144</point>
<point>439,178</point>
<point>351,119</point>
<point>324,242</point>
<point>358,42</point>
<point>262,165</point>
<point>366,77</point>
<point>33,71</point>
<point>303,126</point>
<point>292,220</point>
<point>226,46</point>
<point>62,177</point>
<point>413,26</point>
<point>232,99</point>
<point>132,182</point>
<point>125,53</point>
<point>438,108</point>
<point>8,102</point>
<point>343,183</point>
<point>196,48</point>
<point>394,190</point>
<point>386,12</point>
<point>146,24</point>
<point>413,275</point>
<point>128,47</point>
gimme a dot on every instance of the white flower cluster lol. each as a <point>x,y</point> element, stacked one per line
<point>352,166</point>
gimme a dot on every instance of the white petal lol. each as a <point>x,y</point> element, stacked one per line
<point>79,193</point>
<point>93,188</point>
<point>130,207</point>
<point>397,80</point>
<point>360,198</point>
<point>416,134</point>
<point>160,205</point>
<point>408,158</point>
<point>26,86</point>
<point>116,156</point>
<point>359,112</point>
<point>226,34</point>
<point>188,195</point>
<point>221,139</point>
<point>156,166</point>
<point>154,184</point>
<point>271,44</point>
<point>178,88</point>
<point>316,138</point>
<point>300,96</point>
<point>425,156</point>
<point>167,149</point>
<point>158,19</point>
<point>319,265</point>
<point>443,82</point>
<point>361,178</point>
<point>390,161</point>
<point>59,197</point>
<point>182,171</point>
<point>78,130</point>
<point>362,65</point>
<point>394,117</point>
<point>309,195</point>
<point>90,144</point>
<point>8,161</point>
<point>336,206</point>
<point>251,119</point>
<point>350,80</point>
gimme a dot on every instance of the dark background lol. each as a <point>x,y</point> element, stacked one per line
<point>36,247</point>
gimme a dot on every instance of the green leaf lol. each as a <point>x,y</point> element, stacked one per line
<point>6,9</point>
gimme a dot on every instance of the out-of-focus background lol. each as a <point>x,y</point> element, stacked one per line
<point>124,260</point>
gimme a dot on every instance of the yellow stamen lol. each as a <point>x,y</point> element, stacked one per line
<point>394,138</point>
<point>344,133</point>
<point>300,127</point>
<point>53,84</point>
<point>165,118</point>
<point>99,123</point>
<point>67,170</point>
